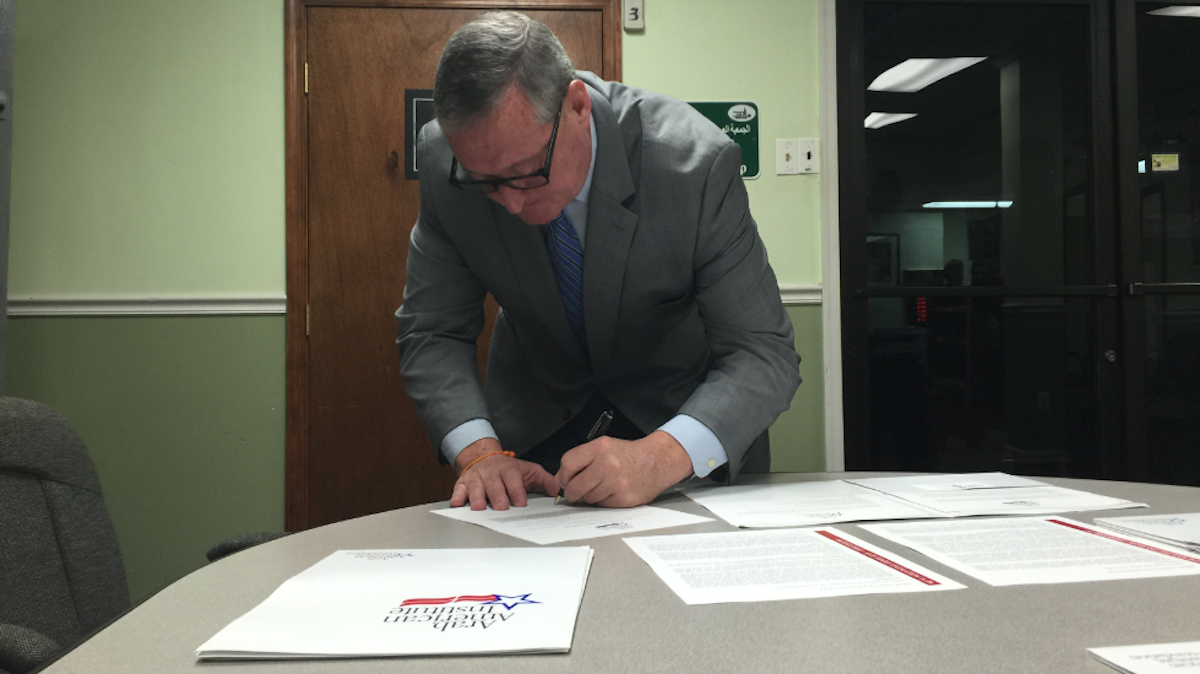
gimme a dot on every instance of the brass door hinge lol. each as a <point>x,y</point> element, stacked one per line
<point>306,79</point>
<point>307,319</point>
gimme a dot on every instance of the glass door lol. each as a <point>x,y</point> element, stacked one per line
<point>979,272</point>
<point>1158,67</point>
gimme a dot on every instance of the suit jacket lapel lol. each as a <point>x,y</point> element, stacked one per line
<point>530,263</point>
<point>610,232</point>
<point>610,229</point>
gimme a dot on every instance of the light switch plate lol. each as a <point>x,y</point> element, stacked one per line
<point>809,152</point>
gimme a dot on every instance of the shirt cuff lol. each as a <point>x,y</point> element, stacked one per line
<point>701,444</point>
<point>463,435</point>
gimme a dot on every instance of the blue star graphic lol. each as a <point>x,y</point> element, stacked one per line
<point>514,600</point>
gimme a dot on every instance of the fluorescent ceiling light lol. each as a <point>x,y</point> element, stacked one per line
<point>1189,10</point>
<point>916,74</point>
<point>968,204</point>
<point>878,120</point>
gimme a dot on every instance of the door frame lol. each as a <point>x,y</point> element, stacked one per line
<point>831,294</point>
<point>1135,291</point>
<point>296,193</point>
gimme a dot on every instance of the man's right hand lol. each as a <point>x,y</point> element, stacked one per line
<point>498,479</point>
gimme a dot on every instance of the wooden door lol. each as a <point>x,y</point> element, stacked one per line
<point>355,444</point>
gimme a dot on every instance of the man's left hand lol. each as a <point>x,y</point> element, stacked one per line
<point>623,473</point>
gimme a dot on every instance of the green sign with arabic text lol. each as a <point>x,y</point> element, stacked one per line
<point>739,121</point>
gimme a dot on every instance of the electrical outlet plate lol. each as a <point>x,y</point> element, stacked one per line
<point>787,160</point>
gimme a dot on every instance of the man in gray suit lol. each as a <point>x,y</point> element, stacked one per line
<point>641,339</point>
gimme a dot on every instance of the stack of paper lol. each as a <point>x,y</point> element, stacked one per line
<point>990,494</point>
<point>377,603</point>
<point>1181,530</point>
<point>1177,658</point>
<point>1033,550</point>
<point>800,504</point>
<point>784,564</point>
<point>895,498</point>
<point>543,521</point>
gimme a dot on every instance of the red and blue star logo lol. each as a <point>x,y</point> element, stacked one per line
<point>507,601</point>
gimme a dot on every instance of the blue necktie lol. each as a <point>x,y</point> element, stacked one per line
<point>566,255</point>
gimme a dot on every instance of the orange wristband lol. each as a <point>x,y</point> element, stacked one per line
<point>468,467</point>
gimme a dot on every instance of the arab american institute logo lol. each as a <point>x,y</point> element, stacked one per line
<point>467,611</point>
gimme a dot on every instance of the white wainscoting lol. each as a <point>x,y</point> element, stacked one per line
<point>139,305</point>
<point>227,305</point>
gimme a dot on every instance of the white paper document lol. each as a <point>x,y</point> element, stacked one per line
<point>543,521</point>
<point>803,504</point>
<point>1033,550</point>
<point>745,566</point>
<point>990,494</point>
<point>1177,658</point>
<point>377,603</point>
<point>1182,530</point>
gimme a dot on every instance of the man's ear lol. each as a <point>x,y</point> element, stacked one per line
<point>578,100</point>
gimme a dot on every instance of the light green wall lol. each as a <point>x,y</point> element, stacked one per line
<point>183,417</point>
<point>763,51</point>
<point>148,148</point>
<point>148,159</point>
<point>798,437</point>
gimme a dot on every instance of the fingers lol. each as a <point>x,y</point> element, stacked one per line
<point>500,481</point>
<point>607,471</point>
<point>533,475</point>
<point>476,487</point>
<point>514,488</point>
<point>590,485</point>
<point>574,461</point>
<point>568,479</point>
<point>598,495</point>
<point>590,472</point>
<point>548,483</point>
<point>497,494</point>
<point>620,500</point>
<point>459,497</point>
<point>623,473</point>
<point>469,489</point>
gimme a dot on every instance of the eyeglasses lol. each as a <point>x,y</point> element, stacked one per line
<point>460,179</point>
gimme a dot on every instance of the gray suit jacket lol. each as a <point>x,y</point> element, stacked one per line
<point>682,308</point>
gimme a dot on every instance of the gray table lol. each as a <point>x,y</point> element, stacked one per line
<point>631,622</point>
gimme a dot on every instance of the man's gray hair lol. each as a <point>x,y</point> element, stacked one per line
<point>488,55</point>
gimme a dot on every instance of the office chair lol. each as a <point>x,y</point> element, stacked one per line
<point>241,542</point>
<point>61,574</point>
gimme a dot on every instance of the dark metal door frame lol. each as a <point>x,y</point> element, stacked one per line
<point>1116,442</point>
<point>1134,288</point>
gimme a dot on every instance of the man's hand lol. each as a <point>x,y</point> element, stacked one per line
<point>623,473</point>
<point>500,479</point>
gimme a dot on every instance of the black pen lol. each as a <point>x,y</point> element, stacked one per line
<point>598,429</point>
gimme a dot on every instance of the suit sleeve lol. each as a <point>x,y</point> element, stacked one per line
<point>754,370</point>
<point>439,323</point>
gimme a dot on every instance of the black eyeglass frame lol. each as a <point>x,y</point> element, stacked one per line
<point>490,185</point>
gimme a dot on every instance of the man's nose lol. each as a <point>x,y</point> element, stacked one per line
<point>511,199</point>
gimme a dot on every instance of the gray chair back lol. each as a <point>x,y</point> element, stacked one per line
<point>61,572</point>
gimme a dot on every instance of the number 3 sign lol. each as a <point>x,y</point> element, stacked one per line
<point>635,15</point>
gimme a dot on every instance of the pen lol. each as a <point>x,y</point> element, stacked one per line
<point>598,429</point>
